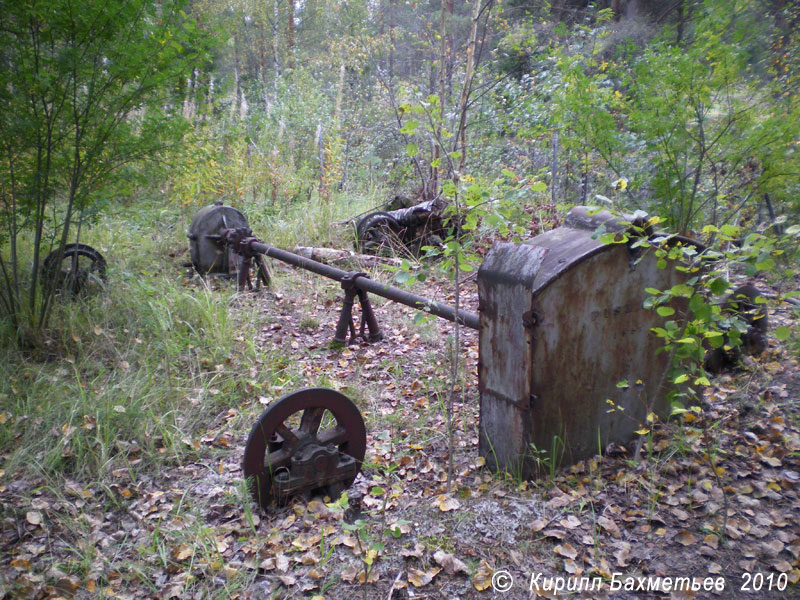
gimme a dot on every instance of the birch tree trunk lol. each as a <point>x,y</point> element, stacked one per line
<point>275,46</point>
<point>290,40</point>
<point>237,76</point>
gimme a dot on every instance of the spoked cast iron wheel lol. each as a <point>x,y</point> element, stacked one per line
<point>77,270</point>
<point>309,441</point>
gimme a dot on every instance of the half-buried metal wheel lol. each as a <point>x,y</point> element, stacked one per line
<point>78,269</point>
<point>379,232</point>
<point>309,441</point>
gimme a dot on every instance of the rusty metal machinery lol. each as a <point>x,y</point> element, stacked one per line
<point>309,441</point>
<point>353,283</point>
<point>75,270</point>
<point>403,229</point>
<point>221,241</point>
<point>562,322</point>
<point>211,254</point>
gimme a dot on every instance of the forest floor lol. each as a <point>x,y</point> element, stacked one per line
<point>715,496</point>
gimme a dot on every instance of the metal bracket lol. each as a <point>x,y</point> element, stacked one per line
<point>368,320</point>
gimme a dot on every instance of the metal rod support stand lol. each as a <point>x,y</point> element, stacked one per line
<point>243,243</point>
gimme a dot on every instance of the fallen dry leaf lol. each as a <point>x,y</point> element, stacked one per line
<point>554,533</point>
<point>304,541</point>
<point>781,566</point>
<point>538,524</point>
<point>183,552</point>
<point>349,574</point>
<point>282,562</point>
<point>623,554</point>
<point>421,578</point>
<point>571,567</point>
<point>267,564</point>
<point>566,550</point>
<point>414,552</point>
<point>571,522</point>
<point>446,503</point>
<point>609,525</point>
<point>483,576</point>
<point>23,564</point>
<point>318,508</point>
<point>373,576</point>
<point>559,502</point>
<point>772,548</point>
<point>686,538</point>
<point>449,562</point>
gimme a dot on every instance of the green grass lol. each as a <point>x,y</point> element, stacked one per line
<point>113,374</point>
<point>118,392</point>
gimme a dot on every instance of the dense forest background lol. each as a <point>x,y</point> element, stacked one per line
<point>125,404</point>
<point>684,109</point>
<point>687,110</point>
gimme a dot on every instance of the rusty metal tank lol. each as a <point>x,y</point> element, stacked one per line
<point>561,324</point>
<point>208,254</point>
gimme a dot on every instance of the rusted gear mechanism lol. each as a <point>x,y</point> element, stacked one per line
<point>309,441</point>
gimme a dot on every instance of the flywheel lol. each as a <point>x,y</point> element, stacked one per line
<point>311,441</point>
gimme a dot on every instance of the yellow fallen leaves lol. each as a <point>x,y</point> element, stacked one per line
<point>304,541</point>
<point>686,538</point>
<point>318,508</point>
<point>482,579</point>
<point>446,503</point>
<point>23,564</point>
<point>351,573</point>
<point>182,552</point>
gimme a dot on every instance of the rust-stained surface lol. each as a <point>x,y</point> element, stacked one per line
<point>312,440</point>
<point>504,283</point>
<point>557,337</point>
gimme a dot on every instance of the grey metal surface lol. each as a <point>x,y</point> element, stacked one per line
<point>504,283</point>
<point>562,324</point>
<point>207,253</point>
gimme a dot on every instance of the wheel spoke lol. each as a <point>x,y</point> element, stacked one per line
<point>296,423</point>
<point>289,438</point>
<point>276,460</point>
<point>312,417</point>
<point>336,435</point>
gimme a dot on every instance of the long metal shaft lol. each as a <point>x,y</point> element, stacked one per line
<point>445,311</point>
